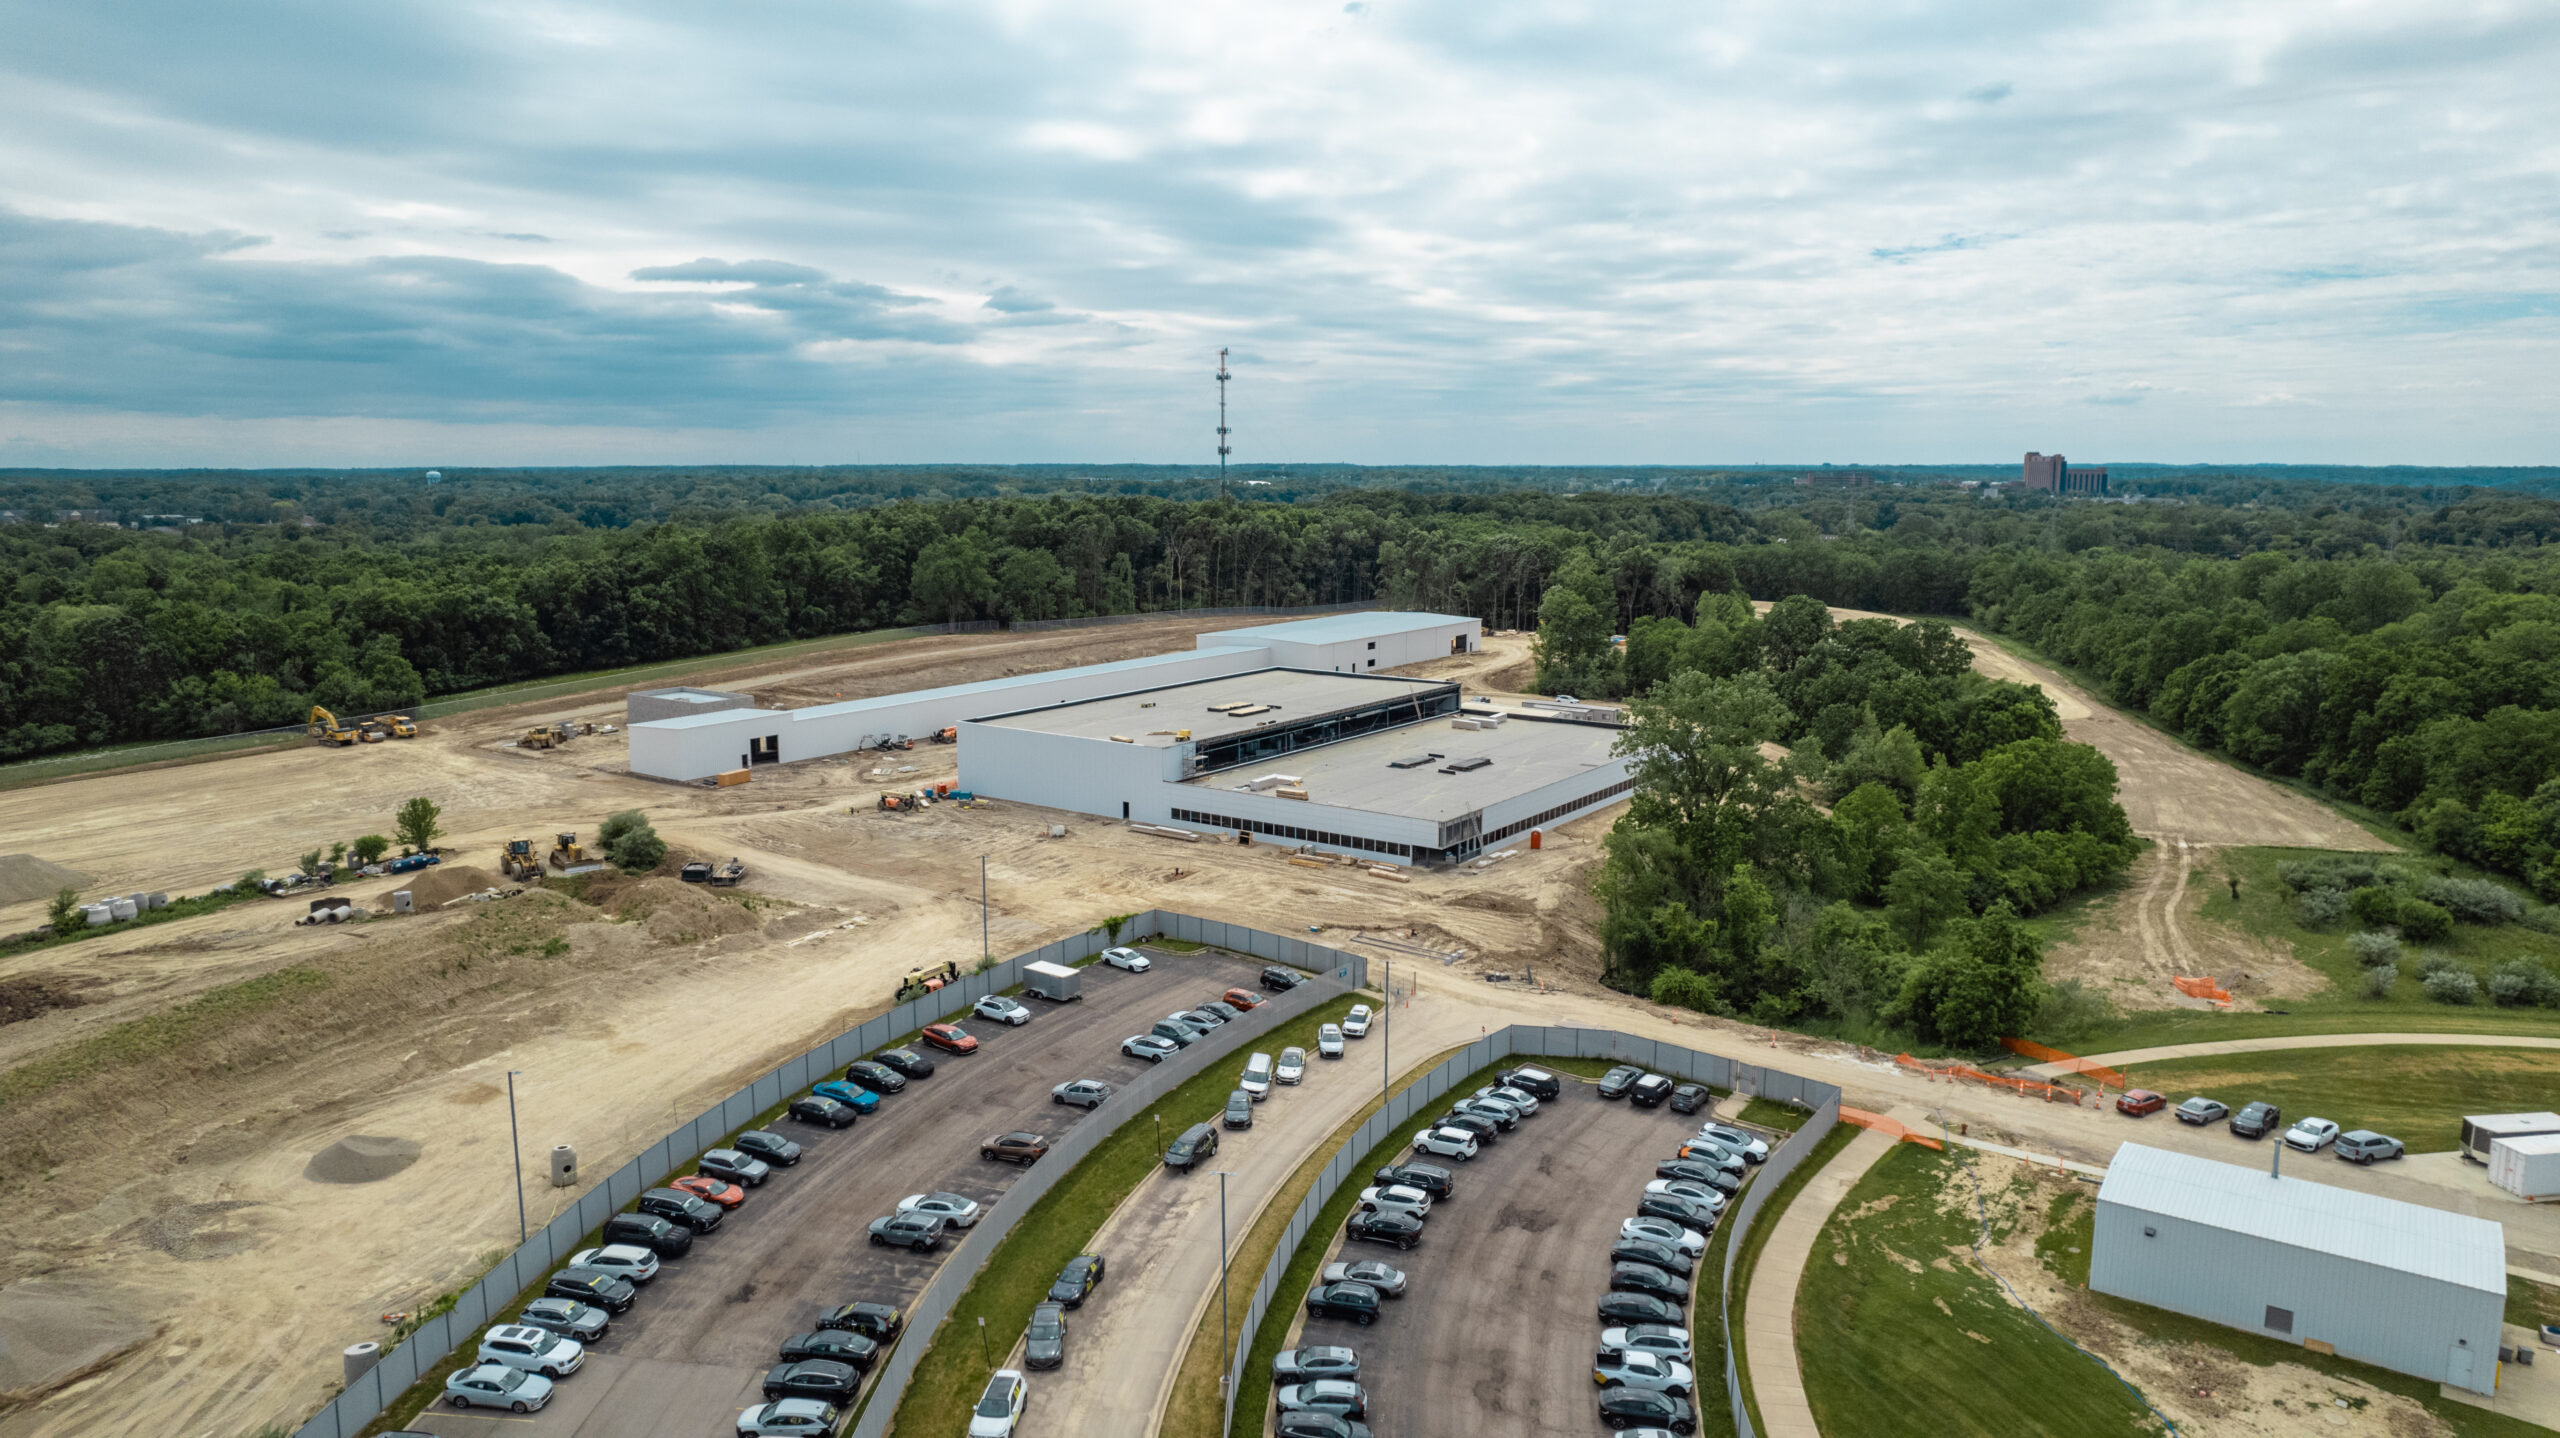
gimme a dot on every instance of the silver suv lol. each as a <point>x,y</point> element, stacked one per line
<point>532,1350</point>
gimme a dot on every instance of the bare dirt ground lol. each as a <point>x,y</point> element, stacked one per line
<point>2151,934</point>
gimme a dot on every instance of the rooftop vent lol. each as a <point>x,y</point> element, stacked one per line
<point>1464,766</point>
<point>1413,761</point>
<point>1241,710</point>
<point>1228,705</point>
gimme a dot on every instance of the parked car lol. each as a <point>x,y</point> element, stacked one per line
<point>820,1378</point>
<point>1645,1278</point>
<point>1617,1081</point>
<point>534,1350</point>
<point>1191,1146</point>
<point>627,1259</point>
<point>567,1317</point>
<point>1502,1115</point>
<point>2201,1110</point>
<point>772,1147</point>
<point>1699,1168</point>
<point>1429,1177</point>
<point>1689,1097</point>
<point>1395,1198</point>
<point>674,1204</point>
<point>999,1409</point>
<point>1355,1024</point>
<point>2135,1102</point>
<point>1388,1280</point>
<point>1318,1425</point>
<point>876,1321</point>
<point>1280,980</point>
<point>1753,1150</point>
<point>1181,1033</point>
<point>789,1418</point>
<point>950,1038</point>
<point>1665,1231</point>
<point>852,1095</point>
<point>920,1232</point>
<point>1077,1281</point>
<point>1662,1340</point>
<point>1695,1217</point>
<point>833,1344</point>
<point>493,1385</point>
<point>905,1062</point>
<point>2311,1134</point>
<point>609,1291</point>
<point>1484,1129</point>
<point>1292,1066</point>
<point>1635,1369</point>
<point>876,1076</point>
<point>1081,1093</point>
<point>1340,1397</point>
<point>953,1209</point>
<point>709,1189</point>
<point>1621,1307</point>
<point>2257,1120</point>
<point>1649,1091</point>
<point>1669,1257</point>
<point>1222,1011</point>
<point>662,1236</point>
<point>1153,1049</point>
<point>1257,1077</point>
<point>1044,1343</point>
<point>1723,1180</point>
<point>1302,1365</point>
<point>1129,959</point>
<point>1355,1301</point>
<point>1022,1148</point>
<point>1329,1041</point>
<point>1245,1000</point>
<point>1519,1098</point>
<point>1003,1010</point>
<point>1202,1019</point>
<point>1702,1194</point>
<point>815,1109</point>
<point>1534,1081</point>
<point>2365,1146</point>
<point>1445,1142</point>
<point>1400,1229</point>
<point>1239,1109</point>
<point>1639,1409</point>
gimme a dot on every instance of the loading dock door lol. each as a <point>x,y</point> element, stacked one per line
<point>767,750</point>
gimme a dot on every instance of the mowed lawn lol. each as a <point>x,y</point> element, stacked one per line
<point>2415,1093</point>
<point>1896,1335</point>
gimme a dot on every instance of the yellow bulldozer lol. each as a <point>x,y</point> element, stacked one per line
<point>516,860</point>
<point>325,728</point>
<point>566,852</point>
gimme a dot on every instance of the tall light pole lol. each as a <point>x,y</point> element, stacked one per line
<point>985,948</point>
<point>1226,1340</point>
<point>1386,1023</point>
<point>515,1143</point>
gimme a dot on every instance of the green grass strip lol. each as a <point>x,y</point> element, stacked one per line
<point>151,1039</point>
<point>1762,1222</point>
<point>213,902</point>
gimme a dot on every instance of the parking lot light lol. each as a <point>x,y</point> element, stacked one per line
<point>1226,1340</point>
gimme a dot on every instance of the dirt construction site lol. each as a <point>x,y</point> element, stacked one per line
<point>235,1145</point>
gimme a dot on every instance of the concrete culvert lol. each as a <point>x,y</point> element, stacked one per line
<point>362,1158</point>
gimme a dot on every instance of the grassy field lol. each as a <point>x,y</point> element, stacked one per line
<point>1769,1113</point>
<point>1884,1333</point>
<point>950,1376</point>
<point>2415,1093</point>
<point>1706,1336</point>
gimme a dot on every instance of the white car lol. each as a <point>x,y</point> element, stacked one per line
<point>1520,1099</point>
<point>999,1410</point>
<point>1081,1093</point>
<point>494,1385</point>
<point>1635,1368</point>
<point>1129,959</point>
<point>2311,1135</point>
<point>796,1417</point>
<point>1752,1150</point>
<point>1664,1231</point>
<point>535,1350</point>
<point>1355,1024</point>
<point>1659,1339</point>
<point>1445,1142</point>
<point>1329,1042</point>
<point>951,1208</point>
<point>1694,1192</point>
<point>1257,1077</point>
<point>1292,1066</point>
<point>1002,1009</point>
<point>1147,1046</point>
<point>1396,1198</point>
<point>629,1260</point>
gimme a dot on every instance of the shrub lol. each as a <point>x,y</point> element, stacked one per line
<point>2072,1010</point>
<point>2375,907</point>
<point>310,861</point>
<point>2379,980</point>
<point>416,823</point>
<point>371,848</point>
<point>2337,871</point>
<point>2436,961</point>
<point>1687,989</point>
<point>2374,947</point>
<point>631,842</point>
<point>2423,921</point>
<point>250,882</point>
<point>2321,907</point>
<point>2522,981</point>
<point>2474,901</point>
<point>2453,986</point>
<point>62,914</point>
<point>2541,918</point>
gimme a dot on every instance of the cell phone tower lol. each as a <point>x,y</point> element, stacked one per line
<point>1223,431</point>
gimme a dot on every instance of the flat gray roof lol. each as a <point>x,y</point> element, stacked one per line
<point>1153,716</point>
<point>1358,774</point>
<point>1333,628</point>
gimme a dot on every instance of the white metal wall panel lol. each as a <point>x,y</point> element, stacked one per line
<point>1059,771</point>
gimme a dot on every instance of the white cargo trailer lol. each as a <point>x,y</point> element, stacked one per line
<point>2527,1167</point>
<point>1055,982</point>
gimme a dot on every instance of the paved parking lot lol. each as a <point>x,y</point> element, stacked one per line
<point>689,1355</point>
<point>1498,1326</point>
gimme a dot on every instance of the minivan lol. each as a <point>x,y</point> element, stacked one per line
<point>1240,1109</point>
<point>1257,1077</point>
<point>1195,1143</point>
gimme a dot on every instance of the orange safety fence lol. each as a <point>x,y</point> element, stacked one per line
<point>2024,1088</point>
<point>1892,1128</point>
<point>2067,1063</point>
<point>2202,988</point>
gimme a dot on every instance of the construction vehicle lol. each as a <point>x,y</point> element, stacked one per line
<point>566,852</point>
<point>400,725</point>
<point>543,736</point>
<point>949,734</point>
<point>729,875</point>
<point>917,984</point>
<point>325,727</point>
<point>373,732</point>
<point>516,860</point>
<point>697,871</point>
<point>899,803</point>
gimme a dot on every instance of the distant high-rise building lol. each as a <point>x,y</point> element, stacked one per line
<point>2052,474</point>
<point>1837,479</point>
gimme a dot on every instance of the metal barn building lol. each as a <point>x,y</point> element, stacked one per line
<point>2399,1285</point>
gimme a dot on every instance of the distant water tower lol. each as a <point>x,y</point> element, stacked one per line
<point>435,476</point>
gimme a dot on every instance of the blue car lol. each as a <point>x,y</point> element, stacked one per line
<point>852,1095</point>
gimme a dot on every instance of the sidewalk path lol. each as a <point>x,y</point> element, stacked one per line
<point>1768,1315</point>
<point>2297,1041</point>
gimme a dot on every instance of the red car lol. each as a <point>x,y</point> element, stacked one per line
<point>950,1038</point>
<point>1244,998</point>
<point>719,1191</point>
<point>2135,1102</point>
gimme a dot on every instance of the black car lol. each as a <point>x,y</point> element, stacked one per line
<point>1402,1230</point>
<point>567,1317</point>
<point>1696,1217</point>
<point>1724,1180</point>
<point>1280,980</point>
<point>1303,1424</point>
<point>876,1321</point>
<point>1616,1082</point>
<point>1689,1098</point>
<point>2257,1120</point>
<point>1698,1168</point>
<point>772,1147</point>
<point>877,1077</point>
<point>1639,1408</point>
<point>1660,1255</point>
<point>1645,1278</point>
<point>905,1061</point>
<point>1076,1283</point>
<point>662,1236</point>
<point>609,1291</point>
<point>1430,1178</point>
<point>1485,1129</point>
<point>1355,1301</point>
<point>833,1344</point>
<point>699,1214</point>
<point>1649,1091</point>
<point>1044,1343</point>
<point>1622,1307</point>
<point>1224,1010</point>
<point>819,1378</point>
<point>1538,1083</point>
<point>814,1109</point>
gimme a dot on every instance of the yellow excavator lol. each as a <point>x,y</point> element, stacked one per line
<point>326,728</point>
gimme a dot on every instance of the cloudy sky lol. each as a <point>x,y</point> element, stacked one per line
<point>1468,231</point>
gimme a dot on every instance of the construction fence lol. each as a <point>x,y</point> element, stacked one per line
<point>436,1338</point>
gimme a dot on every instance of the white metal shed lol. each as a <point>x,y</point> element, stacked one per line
<point>2410,1288</point>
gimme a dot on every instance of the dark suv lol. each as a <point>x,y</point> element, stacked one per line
<point>876,1321</point>
<point>1617,1081</point>
<point>1355,1301</point>
<point>609,1291</point>
<point>1649,1091</point>
<point>2257,1120</point>
<point>1430,1178</point>
<point>662,1236</point>
<point>1193,1145</point>
<point>1281,980</point>
<point>1536,1082</point>
<point>697,1214</point>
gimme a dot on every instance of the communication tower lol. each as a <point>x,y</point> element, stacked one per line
<point>1223,431</point>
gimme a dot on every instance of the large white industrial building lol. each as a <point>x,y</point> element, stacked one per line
<point>2400,1285</point>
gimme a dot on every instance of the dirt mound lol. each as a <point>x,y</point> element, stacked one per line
<point>362,1158</point>
<point>53,1332</point>
<point>24,877</point>
<point>431,887</point>
<point>680,913</point>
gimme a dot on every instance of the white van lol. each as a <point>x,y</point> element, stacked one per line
<point>1257,1077</point>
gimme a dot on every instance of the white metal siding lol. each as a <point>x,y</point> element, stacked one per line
<point>1568,792</point>
<point>1060,771</point>
<point>1300,814</point>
